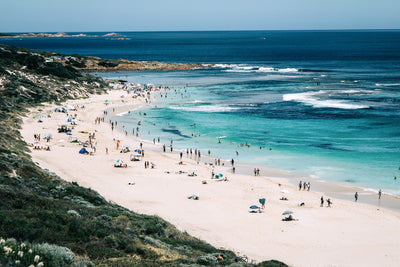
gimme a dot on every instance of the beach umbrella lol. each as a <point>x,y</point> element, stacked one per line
<point>262,201</point>
<point>219,175</point>
<point>41,116</point>
<point>138,150</point>
<point>119,161</point>
<point>287,212</point>
<point>47,135</point>
<point>254,207</point>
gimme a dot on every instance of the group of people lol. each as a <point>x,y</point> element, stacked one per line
<point>328,201</point>
<point>304,185</point>
<point>147,165</point>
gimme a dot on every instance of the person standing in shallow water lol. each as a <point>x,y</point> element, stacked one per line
<point>380,193</point>
<point>356,196</point>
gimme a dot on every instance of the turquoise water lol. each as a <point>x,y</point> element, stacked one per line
<point>320,103</point>
<point>339,144</point>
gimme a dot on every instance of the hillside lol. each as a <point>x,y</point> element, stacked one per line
<point>80,226</point>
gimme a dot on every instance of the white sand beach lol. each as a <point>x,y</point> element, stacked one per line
<point>346,234</point>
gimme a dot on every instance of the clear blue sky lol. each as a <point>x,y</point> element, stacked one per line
<point>175,15</point>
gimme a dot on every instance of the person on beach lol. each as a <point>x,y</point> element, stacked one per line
<point>233,162</point>
<point>329,202</point>
<point>380,193</point>
<point>107,150</point>
<point>233,169</point>
<point>163,147</point>
<point>356,196</point>
<point>180,155</point>
<point>304,185</point>
<point>322,201</point>
<point>300,185</point>
<point>308,186</point>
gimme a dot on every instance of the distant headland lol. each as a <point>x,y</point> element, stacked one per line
<point>59,34</point>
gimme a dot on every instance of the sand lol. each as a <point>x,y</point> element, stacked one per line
<point>346,234</point>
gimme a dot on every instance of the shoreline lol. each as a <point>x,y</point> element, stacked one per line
<point>348,234</point>
<point>327,188</point>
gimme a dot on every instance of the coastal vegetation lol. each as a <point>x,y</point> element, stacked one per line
<point>46,221</point>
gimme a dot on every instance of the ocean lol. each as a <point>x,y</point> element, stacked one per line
<point>320,104</point>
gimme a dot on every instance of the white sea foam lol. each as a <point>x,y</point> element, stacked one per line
<point>122,114</point>
<point>387,84</point>
<point>208,108</point>
<point>247,68</point>
<point>312,99</point>
<point>353,91</point>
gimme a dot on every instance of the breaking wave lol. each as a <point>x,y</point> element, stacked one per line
<point>247,68</point>
<point>313,99</point>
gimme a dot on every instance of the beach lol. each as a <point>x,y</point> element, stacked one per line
<point>345,234</point>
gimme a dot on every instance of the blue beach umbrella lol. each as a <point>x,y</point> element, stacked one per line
<point>219,175</point>
<point>138,151</point>
<point>254,207</point>
<point>41,116</point>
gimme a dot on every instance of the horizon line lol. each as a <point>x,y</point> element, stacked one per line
<point>366,29</point>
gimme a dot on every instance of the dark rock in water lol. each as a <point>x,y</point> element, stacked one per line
<point>174,131</point>
<point>329,146</point>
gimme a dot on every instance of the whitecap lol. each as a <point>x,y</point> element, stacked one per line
<point>387,84</point>
<point>207,108</point>
<point>310,98</point>
<point>248,68</point>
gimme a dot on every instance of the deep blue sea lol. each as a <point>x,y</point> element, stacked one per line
<point>324,104</point>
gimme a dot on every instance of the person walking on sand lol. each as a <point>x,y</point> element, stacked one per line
<point>380,193</point>
<point>356,196</point>
<point>322,201</point>
<point>300,185</point>
<point>329,202</point>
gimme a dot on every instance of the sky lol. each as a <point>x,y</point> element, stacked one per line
<point>195,15</point>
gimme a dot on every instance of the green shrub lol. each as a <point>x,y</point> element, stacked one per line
<point>207,260</point>
<point>55,255</point>
<point>107,64</point>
